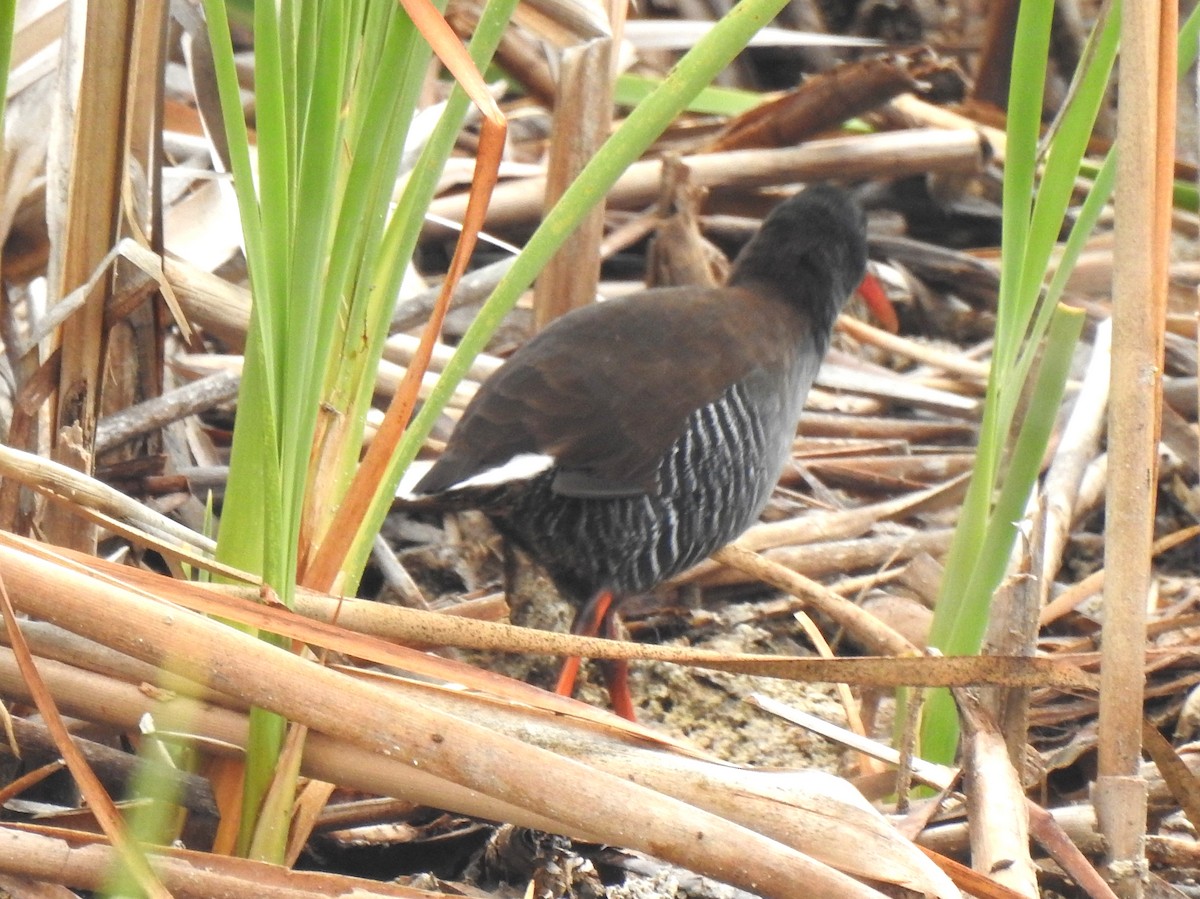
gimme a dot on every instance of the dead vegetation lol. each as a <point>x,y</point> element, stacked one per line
<point>124,317</point>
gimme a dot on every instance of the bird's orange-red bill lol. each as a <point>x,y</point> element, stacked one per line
<point>877,301</point>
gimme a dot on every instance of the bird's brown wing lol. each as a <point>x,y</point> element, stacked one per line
<point>606,391</point>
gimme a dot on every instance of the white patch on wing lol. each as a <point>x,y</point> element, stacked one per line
<point>518,468</point>
<point>415,471</point>
<point>521,467</point>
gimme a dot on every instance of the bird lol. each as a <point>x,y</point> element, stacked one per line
<point>632,438</point>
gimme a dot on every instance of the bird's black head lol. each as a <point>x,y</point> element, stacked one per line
<point>811,249</point>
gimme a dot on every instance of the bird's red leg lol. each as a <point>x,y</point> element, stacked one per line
<point>587,623</point>
<point>616,677</point>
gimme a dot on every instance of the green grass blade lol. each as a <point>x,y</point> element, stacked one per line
<point>1031,224</point>
<point>1018,302</point>
<point>384,90</point>
<point>630,90</point>
<point>1024,121</point>
<point>8,17</point>
<point>1030,54</point>
<point>939,738</point>
<point>252,480</point>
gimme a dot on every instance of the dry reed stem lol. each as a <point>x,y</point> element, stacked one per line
<point>132,859</point>
<point>1079,446</point>
<point>881,155</point>
<point>582,120</point>
<point>92,169</point>
<point>952,363</point>
<point>1145,121</point>
<point>445,746</point>
<point>221,731</point>
<point>940,777</point>
<point>997,815</point>
<point>81,494</point>
<point>794,807</point>
<point>1045,828</point>
<point>831,526</point>
<point>82,863</point>
<point>821,559</point>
